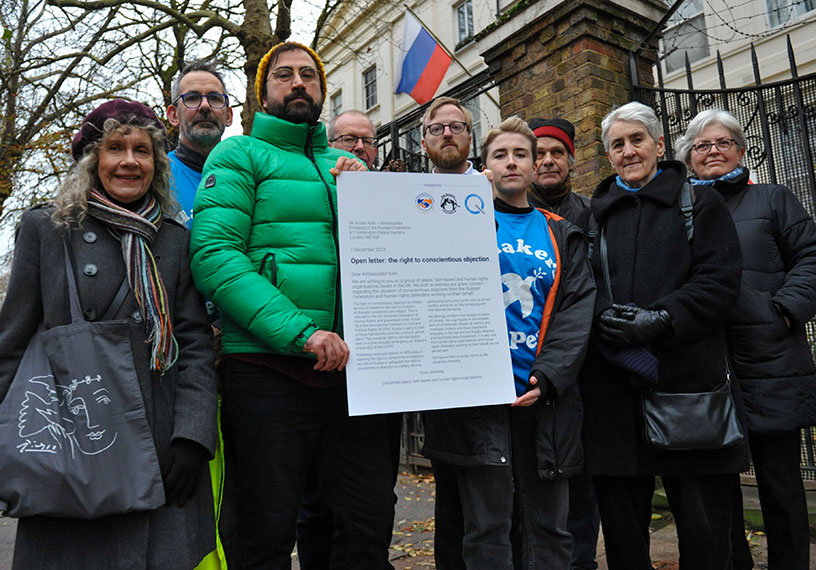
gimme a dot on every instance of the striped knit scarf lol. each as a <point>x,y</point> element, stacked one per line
<point>136,231</point>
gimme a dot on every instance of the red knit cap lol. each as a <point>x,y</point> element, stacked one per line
<point>559,129</point>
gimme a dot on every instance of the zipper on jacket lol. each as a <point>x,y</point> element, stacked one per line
<point>556,468</point>
<point>274,268</point>
<point>309,151</point>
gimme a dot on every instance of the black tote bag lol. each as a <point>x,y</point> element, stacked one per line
<point>74,438</point>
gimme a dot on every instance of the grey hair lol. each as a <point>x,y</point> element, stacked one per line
<point>699,123</point>
<point>330,131</point>
<point>72,196</point>
<point>634,112</point>
<point>196,65</point>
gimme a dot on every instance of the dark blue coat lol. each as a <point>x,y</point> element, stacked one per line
<point>773,363</point>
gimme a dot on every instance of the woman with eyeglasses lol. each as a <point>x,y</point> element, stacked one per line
<point>769,348</point>
<point>663,289</point>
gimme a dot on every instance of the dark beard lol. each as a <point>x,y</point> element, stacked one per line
<point>298,113</point>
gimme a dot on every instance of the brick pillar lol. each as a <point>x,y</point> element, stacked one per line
<point>570,59</point>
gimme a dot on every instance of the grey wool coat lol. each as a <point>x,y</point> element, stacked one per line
<point>182,405</point>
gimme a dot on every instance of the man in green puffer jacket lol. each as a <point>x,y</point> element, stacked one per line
<point>264,249</point>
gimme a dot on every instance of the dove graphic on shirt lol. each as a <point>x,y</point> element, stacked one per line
<point>518,289</point>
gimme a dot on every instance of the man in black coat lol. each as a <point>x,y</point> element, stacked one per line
<point>551,189</point>
<point>552,181</point>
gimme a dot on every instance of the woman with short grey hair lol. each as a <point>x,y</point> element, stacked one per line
<point>770,353</point>
<point>661,297</point>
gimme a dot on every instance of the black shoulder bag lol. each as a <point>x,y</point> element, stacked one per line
<point>685,421</point>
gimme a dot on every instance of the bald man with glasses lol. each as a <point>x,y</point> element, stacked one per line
<point>352,131</point>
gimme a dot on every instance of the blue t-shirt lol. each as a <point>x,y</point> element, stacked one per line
<point>183,185</point>
<point>527,262</point>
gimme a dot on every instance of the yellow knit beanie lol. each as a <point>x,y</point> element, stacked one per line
<point>260,77</point>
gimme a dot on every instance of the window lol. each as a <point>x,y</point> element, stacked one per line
<point>336,103</point>
<point>370,87</point>
<point>464,17</point>
<point>781,12</point>
<point>472,105</point>
<point>685,34</point>
<point>414,159</point>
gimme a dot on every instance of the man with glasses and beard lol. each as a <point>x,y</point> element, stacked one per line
<point>201,111</point>
<point>446,136</point>
<point>264,248</point>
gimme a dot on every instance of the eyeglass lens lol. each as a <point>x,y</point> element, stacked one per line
<point>722,145</point>
<point>285,75</point>
<point>456,128</point>
<point>351,140</point>
<point>193,100</point>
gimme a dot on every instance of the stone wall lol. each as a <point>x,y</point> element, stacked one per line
<point>572,61</point>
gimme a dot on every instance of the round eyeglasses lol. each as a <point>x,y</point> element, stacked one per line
<point>193,99</point>
<point>456,128</point>
<point>285,75</point>
<point>722,145</point>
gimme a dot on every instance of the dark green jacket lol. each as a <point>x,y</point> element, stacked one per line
<point>264,242</point>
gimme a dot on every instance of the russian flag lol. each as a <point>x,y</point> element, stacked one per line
<point>423,63</point>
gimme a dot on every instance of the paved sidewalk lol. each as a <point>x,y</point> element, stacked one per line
<point>412,544</point>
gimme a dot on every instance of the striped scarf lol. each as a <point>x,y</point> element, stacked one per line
<point>136,231</point>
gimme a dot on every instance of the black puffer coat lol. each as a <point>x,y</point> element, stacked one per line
<point>481,435</point>
<point>774,363</point>
<point>653,265</point>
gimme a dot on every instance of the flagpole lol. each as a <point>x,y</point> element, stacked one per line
<point>449,52</point>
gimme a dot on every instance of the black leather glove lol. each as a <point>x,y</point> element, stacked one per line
<point>184,471</point>
<point>625,325</point>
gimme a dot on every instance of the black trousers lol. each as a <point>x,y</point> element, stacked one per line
<point>499,517</point>
<point>540,537</point>
<point>473,509</point>
<point>314,522</point>
<point>782,498</point>
<point>279,429</point>
<point>702,509</point>
<point>583,523</point>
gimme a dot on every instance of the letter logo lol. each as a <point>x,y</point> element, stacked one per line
<point>474,204</point>
<point>424,202</point>
<point>448,204</point>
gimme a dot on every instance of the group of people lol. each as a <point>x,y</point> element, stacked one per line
<point>630,291</point>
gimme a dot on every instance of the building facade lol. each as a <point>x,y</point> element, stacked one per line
<point>701,28</point>
<point>360,48</point>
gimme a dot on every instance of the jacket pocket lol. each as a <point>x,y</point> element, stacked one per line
<point>269,268</point>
